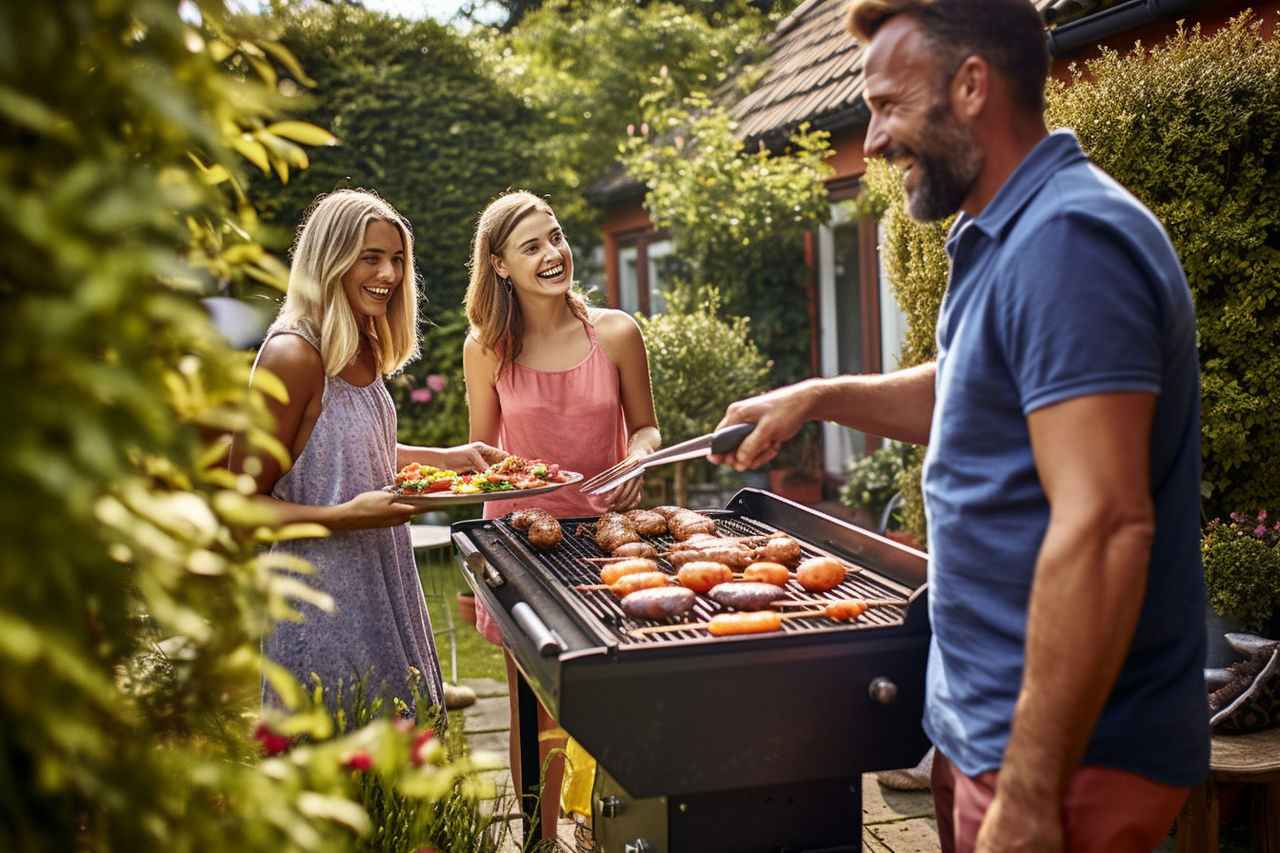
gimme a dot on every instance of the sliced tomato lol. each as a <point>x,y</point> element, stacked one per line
<point>438,485</point>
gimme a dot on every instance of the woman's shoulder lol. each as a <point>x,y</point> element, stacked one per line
<point>294,360</point>
<point>614,326</point>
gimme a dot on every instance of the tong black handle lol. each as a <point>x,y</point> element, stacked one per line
<point>724,440</point>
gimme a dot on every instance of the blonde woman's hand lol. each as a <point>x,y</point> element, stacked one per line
<point>475,456</point>
<point>372,509</point>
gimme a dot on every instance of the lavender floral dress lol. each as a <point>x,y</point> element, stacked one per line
<point>379,633</point>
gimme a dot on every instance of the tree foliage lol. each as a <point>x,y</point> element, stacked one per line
<point>1192,128</point>
<point>583,68</point>
<point>420,121</point>
<point>133,589</point>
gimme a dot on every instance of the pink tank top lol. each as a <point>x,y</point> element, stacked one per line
<point>571,417</point>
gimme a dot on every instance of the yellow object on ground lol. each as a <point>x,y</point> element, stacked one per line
<point>579,778</point>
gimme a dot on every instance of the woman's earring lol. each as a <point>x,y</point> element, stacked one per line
<point>507,282</point>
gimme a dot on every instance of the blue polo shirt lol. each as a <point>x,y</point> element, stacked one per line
<point>1063,286</point>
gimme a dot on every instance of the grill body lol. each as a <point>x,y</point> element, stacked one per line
<point>749,743</point>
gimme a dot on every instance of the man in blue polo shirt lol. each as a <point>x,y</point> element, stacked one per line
<point>1065,687</point>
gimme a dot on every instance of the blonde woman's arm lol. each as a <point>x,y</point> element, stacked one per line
<point>297,364</point>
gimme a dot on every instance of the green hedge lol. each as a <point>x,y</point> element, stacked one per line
<point>1192,128</point>
<point>421,122</point>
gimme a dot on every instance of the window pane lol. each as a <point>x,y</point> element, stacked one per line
<point>628,280</point>
<point>848,300</point>
<point>659,274</point>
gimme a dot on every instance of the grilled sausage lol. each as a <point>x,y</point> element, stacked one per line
<point>845,611</point>
<point>725,624</point>
<point>780,549</point>
<point>635,549</point>
<point>701,575</point>
<point>686,523</point>
<point>664,602</point>
<point>522,519</point>
<point>746,596</point>
<point>647,522</point>
<point>545,533</point>
<point>820,574</point>
<point>612,530</point>
<point>771,573</point>
<point>628,584</point>
<point>696,541</point>
<point>613,572</point>
<point>733,556</point>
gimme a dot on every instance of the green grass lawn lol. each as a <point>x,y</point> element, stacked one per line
<point>477,658</point>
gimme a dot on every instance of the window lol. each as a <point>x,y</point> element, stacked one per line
<point>661,262</point>
<point>629,279</point>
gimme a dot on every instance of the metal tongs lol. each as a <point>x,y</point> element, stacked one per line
<point>721,441</point>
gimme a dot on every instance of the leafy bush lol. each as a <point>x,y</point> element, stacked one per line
<point>872,480</point>
<point>700,363</point>
<point>420,120</point>
<point>1242,567</point>
<point>1192,128</point>
<point>133,593</point>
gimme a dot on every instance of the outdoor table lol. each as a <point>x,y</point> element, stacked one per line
<point>1253,759</point>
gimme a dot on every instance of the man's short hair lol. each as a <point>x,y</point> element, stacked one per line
<point>1008,34</point>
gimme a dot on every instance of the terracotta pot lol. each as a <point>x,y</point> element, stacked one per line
<point>467,607</point>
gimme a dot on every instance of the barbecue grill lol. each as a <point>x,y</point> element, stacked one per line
<point>745,743</point>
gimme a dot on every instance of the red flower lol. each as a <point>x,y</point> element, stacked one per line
<point>418,752</point>
<point>271,741</point>
<point>357,760</point>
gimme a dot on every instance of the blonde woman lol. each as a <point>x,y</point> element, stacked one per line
<point>350,319</point>
<point>550,378</point>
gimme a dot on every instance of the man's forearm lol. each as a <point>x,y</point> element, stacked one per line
<point>1088,591</point>
<point>896,405</point>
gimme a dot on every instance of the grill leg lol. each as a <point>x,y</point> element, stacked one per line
<point>527,708</point>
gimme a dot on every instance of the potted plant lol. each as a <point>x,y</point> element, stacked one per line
<point>871,481</point>
<point>1242,573</point>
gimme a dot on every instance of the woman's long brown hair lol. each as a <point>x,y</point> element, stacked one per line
<point>492,308</point>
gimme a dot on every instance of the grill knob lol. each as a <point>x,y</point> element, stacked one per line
<point>610,806</point>
<point>639,845</point>
<point>883,690</point>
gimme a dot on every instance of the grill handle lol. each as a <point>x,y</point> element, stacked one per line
<point>475,562</point>
<point>544,638</point>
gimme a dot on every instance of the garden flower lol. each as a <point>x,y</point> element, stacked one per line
<point>357,760</point>
<point>420,395</point>
<point>425,748</point>
<point>436,382</point>
<point>272,742</point>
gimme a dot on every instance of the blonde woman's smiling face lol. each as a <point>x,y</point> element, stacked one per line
<point>537,257</point>
<point>378,272</point>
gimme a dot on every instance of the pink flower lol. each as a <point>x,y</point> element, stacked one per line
<point>1260,531</point>
<point>420,395</point>
<point>357,760</point>
<point>404,725</point>
<point>436,382</point>
<point>272,742</point>
<point>1262,515</point>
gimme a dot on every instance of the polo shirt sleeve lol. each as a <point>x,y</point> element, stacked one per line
<point>1081,315</point>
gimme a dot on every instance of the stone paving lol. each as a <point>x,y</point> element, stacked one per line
<point>893,821</point>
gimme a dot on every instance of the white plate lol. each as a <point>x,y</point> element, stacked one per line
<point>439,499</point>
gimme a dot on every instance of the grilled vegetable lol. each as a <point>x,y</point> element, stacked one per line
<point>820,574</point>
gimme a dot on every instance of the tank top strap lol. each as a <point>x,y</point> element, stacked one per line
<point>301,331</point>
<point>591,333</point>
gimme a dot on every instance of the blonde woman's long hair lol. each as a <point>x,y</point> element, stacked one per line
<point>328,244</point>
<point>492,308</point>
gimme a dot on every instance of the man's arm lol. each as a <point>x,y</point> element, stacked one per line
<point>897,405</point>
<point>1092,455</point>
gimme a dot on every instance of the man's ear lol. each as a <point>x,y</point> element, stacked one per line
<point>499,267</point>
<point>971,87</point>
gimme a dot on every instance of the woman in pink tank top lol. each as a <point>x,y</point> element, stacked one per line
<point>551,379</point>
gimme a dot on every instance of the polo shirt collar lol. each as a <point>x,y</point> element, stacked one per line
<point>1052,153</point>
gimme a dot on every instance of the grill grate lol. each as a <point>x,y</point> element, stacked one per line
<point>567,568</point>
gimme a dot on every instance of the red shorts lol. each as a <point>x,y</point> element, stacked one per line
<point>1106,811</point>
